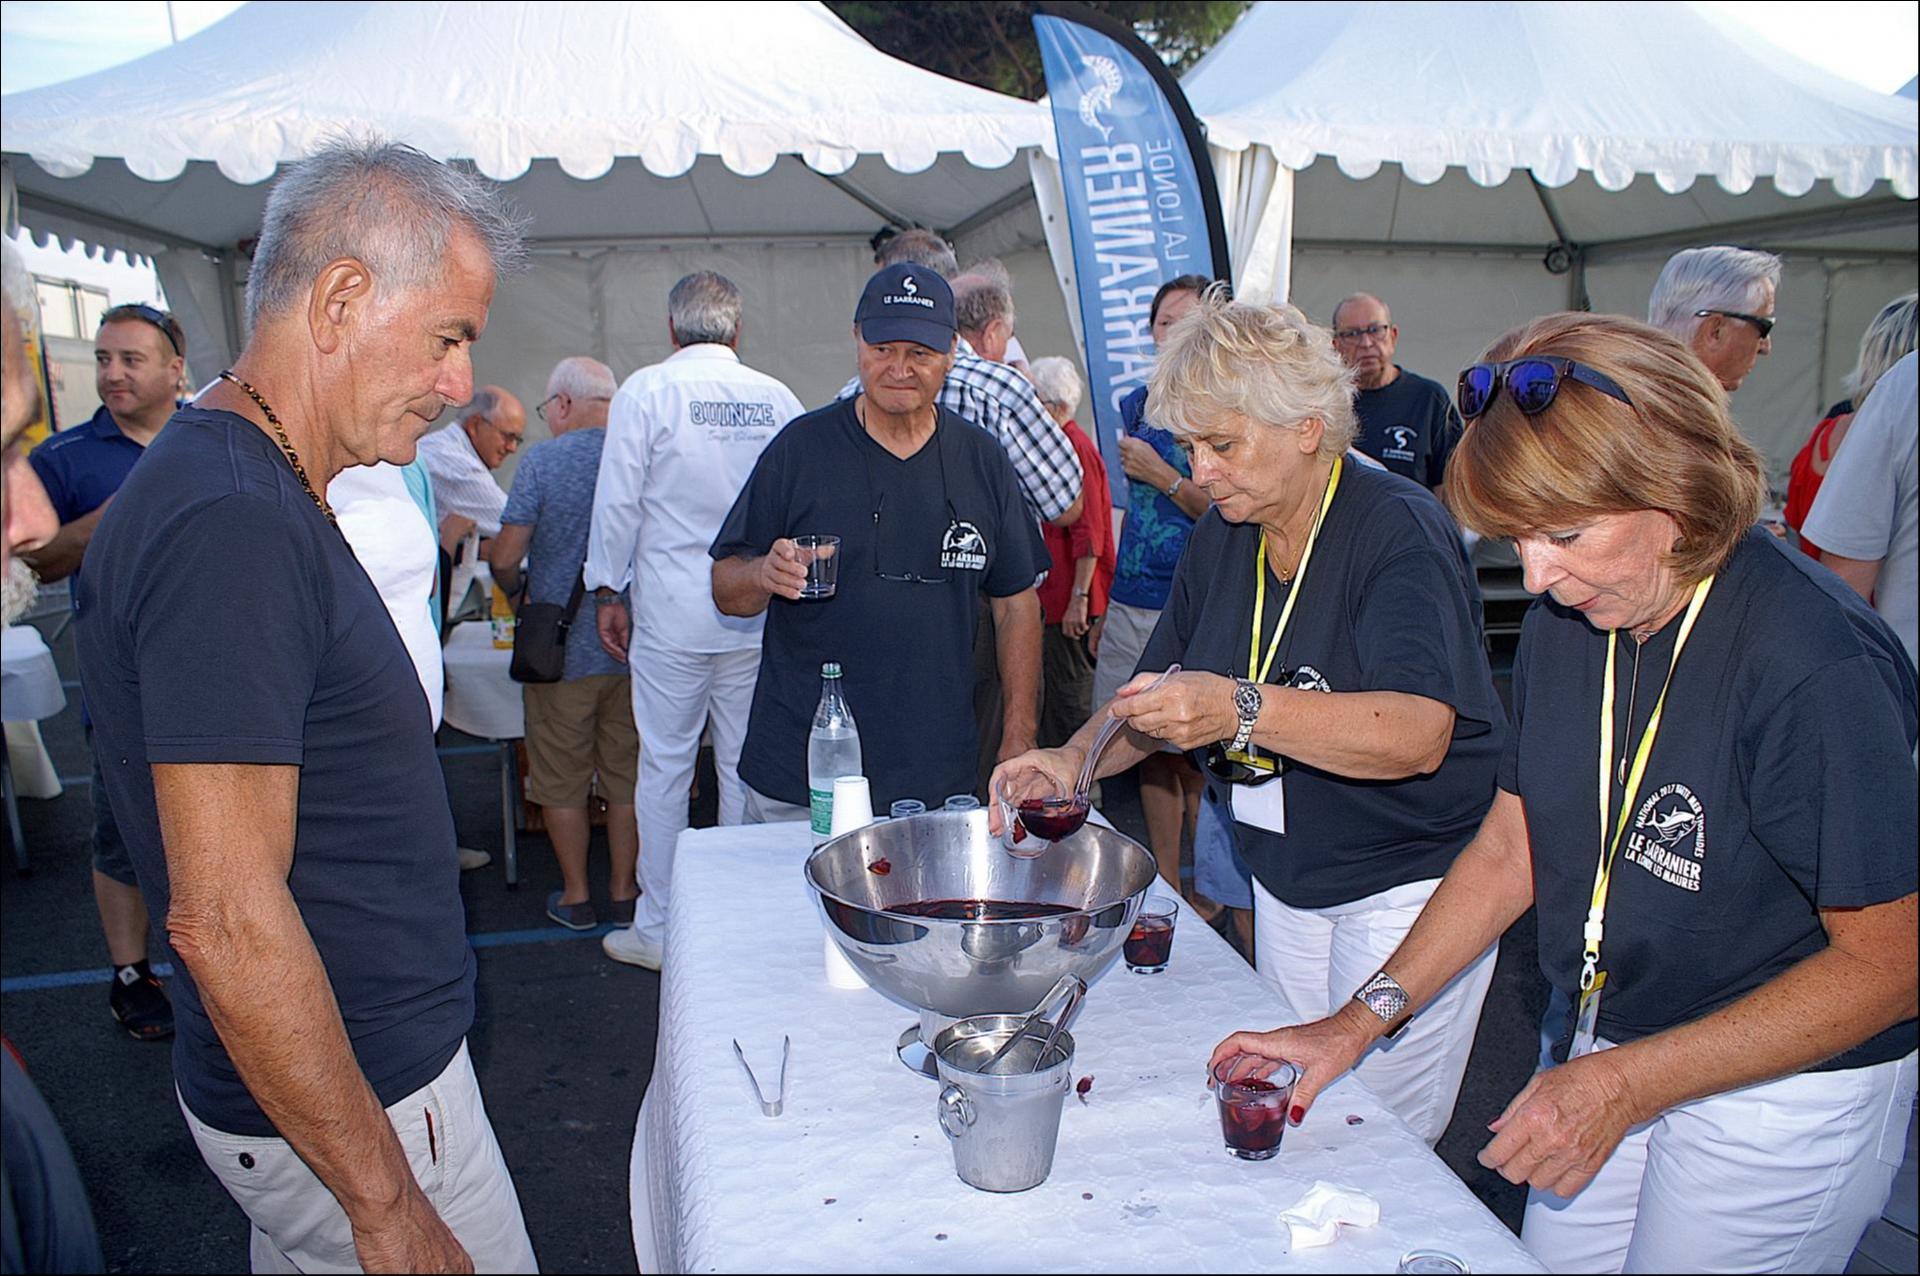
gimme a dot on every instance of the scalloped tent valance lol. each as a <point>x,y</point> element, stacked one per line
<point>1611,90</point>
<point>542,96</point>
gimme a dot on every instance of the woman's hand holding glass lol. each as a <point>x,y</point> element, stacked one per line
<point>1038,773</point>
<point>1188,710</point>
<point>1324,1051</point>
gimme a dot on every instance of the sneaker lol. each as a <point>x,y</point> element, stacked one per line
<point>139,1003</point>
<point>470,858</point>
<point>620,911</point>
<point>572,916</point>
<point>626,945</point>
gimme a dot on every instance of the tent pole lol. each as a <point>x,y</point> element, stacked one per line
<point>866,201</point>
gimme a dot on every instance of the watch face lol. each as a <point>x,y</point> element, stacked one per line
<point>1246,699</point>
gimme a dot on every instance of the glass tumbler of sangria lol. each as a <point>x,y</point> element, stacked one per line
<point>1253,1107</point>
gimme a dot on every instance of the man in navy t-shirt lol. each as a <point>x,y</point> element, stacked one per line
<point>264,740</point>
<point>1407,423</point>
<point>138,362</point>
<point>929,514</point>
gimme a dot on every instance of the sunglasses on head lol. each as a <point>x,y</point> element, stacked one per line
<point>1761,322</point>
<point>150,314</point>
<point>1532,382</point>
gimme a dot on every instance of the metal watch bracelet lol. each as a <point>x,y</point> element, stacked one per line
<point>1387,1001</point>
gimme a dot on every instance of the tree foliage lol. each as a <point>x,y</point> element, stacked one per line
<point>992,44</point>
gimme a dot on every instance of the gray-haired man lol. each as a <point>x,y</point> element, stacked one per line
<point>1719,301</point>
<point>682,438</point>
<point>260,730</point>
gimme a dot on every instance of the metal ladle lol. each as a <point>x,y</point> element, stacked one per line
<point>1021,841</point>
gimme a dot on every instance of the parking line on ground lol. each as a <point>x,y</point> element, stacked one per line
<point>485,939</point>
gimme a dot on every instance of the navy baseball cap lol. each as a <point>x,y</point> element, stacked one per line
<point>906,302</point>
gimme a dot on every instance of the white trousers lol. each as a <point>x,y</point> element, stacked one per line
<point>674,693</point>
<point>299,1227</point>
<point>1778,1177</point>
<point>762,809</point>
<point>1319,957</point>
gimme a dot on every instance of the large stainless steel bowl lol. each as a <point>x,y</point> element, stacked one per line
<point>956,968</point>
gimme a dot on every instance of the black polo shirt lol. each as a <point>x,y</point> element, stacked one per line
<point>951,514</point>
<point>1781,783</point>
<point>1387,604</point>
<point>1410,426</point>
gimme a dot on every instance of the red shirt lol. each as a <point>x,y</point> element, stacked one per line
<point>1093,534</point>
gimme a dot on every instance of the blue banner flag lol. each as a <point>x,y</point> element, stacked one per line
<point>1142,207</point>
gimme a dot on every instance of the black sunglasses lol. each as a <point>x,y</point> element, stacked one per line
<point>1251,767</point>
<point>1533,382</point>
<point>1761,322</point>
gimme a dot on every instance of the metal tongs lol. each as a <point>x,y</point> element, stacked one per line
<point>769,1107</point>
<point>1068,991</point>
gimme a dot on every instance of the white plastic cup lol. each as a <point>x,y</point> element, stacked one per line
<point>852,809</point>
<point>840,971</point>
<point>852,804</point>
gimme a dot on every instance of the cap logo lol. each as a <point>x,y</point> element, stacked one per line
<point>913,289</point>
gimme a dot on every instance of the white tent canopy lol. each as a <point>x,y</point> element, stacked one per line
<point>1435,153</point>
<point>765,140</point>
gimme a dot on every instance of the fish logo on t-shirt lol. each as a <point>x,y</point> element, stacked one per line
<point>963,548</point>
<point>1401,440</point>
<point>1669,836</point>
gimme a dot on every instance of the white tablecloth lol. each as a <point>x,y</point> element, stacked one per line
<point>29,683</point>
<point>482,699</point>
<point>857,1176</point>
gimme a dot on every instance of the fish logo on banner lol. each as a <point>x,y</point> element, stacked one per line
<point>1100,97</point>
<point>1141,205</point>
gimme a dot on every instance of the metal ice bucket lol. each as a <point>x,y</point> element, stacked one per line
<point>951,968</point>
<point>1003,1125</point>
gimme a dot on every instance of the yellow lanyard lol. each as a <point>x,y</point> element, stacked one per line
<point>1257,671</point>
<point>1603,875</point>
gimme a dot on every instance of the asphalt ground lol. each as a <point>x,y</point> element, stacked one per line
<point>563,1039</point>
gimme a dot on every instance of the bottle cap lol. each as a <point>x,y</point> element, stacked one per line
<point>831,669</point>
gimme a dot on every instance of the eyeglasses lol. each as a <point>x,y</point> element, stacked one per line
<point>540,408</point>
<point>159,318</point>
<point>1533,382</point>
<point>1354,334</point>
<point>880,505</point>
<point>1762,322</point>
<point>907,578</point>
<point>1250,767</point>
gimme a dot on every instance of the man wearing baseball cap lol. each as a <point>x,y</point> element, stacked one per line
<point>929,514</point>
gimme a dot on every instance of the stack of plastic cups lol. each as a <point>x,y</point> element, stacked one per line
<point>852,809</point>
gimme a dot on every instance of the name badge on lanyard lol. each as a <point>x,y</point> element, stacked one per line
<point>1264,805</point>
<point>1592,979</point>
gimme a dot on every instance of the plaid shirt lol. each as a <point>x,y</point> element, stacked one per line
<point>1000,401</point>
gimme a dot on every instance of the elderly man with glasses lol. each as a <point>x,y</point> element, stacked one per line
<point>1407,423</point>
<point>929,514</point>
<point>1719,301</point>
<point>460,459</point>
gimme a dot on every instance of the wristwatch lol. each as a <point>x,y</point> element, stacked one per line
<point>1384,996</point>
<point>1178,479</point>
<point>605,597</point>
<point>1246,706</point>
